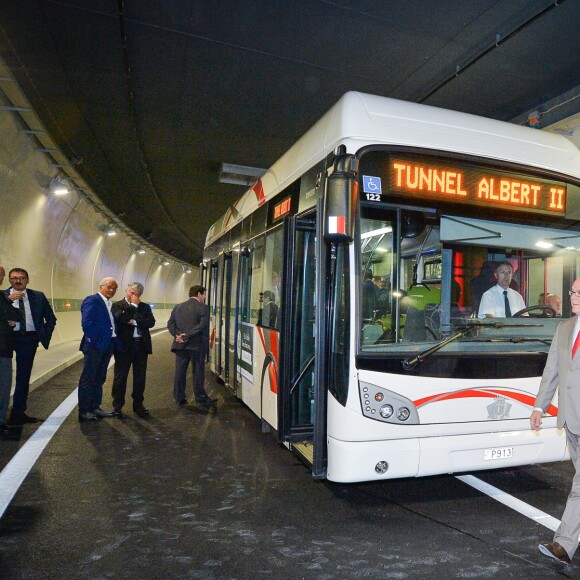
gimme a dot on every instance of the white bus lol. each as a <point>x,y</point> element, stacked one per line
<point>344,290</point>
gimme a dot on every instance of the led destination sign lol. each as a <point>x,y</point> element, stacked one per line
<point>474,185</point>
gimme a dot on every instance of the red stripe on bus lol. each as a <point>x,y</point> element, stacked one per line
<point>487,393</point>
<point>274,344</point>
<point>259,191</point>
<point>261,335</point>
<point>233,211</point>
<point>273,378</point>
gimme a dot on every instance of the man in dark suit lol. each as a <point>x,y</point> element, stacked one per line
<point>269,311</point>
<point>37,326</point>
<point>134,319</point>
<point>97,345</point>
<point>8,318</point>
<point>189,325</point>
<point>562,372</point>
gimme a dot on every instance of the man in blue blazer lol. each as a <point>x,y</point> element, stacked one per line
<point>38,322</point>
<point>97,345</point>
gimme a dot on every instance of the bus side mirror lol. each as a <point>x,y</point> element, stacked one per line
<point>341,201</point>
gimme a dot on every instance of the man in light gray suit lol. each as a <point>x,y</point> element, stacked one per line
<point>189,325</point>
<point>563,370</point>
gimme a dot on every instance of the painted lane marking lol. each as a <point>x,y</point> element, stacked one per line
<point>15,472</point>
<point>19,467</point>
<point>510,501</point>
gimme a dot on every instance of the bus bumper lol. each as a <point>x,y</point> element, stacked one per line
<point>351,461</point>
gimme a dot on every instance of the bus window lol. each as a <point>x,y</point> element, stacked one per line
<point>270,297</point>
<point>256,277</point>
<point>420,287</point>
<point>213,288</point>
<point>439,274</point>
<point>377,279</point>
<point>340,327</point>
<point>246,286</point>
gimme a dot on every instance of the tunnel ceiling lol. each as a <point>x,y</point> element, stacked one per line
<point>148,98</point>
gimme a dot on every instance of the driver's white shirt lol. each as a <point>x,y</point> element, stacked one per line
<point>492,302</point>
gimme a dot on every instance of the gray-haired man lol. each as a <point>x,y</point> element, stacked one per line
<point>134,319</point>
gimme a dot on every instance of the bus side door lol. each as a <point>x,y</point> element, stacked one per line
<point>298,362</point>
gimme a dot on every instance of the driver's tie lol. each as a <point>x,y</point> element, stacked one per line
<point>508,311</point>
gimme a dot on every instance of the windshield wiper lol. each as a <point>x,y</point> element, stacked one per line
<point>515,340</point>
<point>410,363</point>
<point>496,324</point>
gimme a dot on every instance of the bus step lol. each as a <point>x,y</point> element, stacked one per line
<point>305,451</point>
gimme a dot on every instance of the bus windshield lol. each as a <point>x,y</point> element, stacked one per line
<point>426,277</point>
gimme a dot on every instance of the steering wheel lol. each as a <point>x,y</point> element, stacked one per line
<point>547,311</point>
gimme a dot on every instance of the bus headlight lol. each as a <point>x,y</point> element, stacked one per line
<point>403,414</point>
<point>386,406</point>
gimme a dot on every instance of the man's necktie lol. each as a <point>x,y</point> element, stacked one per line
<point>506,302</point>
<point>576,344</point>
<point>22,315</point>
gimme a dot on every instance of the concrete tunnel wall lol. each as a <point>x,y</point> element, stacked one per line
<point>58,241</point>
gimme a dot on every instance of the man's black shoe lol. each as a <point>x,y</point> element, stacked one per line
<point>21,419</point>
<point>206,402</point>
<point>182,403</point>
<point>117,412</point>
<point>142,412</point>
<point>87,417</point>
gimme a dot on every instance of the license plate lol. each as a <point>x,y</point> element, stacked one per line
<point>498,453</point>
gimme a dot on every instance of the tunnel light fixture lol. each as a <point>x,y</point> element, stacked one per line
<point>186,269</point>
<point>544,244</point>
<point>107,229</point>
<point>59,186</point>
<point>136,248</point>
<point>163,261</point>
<point>239,174</point>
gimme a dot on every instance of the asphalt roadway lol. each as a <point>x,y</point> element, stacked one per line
<point>192,493</point>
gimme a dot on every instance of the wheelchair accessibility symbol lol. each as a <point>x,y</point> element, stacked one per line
<point>371,184</point>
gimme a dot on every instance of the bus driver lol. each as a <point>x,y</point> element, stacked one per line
<point>501,300</point>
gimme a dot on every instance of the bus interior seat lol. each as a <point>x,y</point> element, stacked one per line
<point>371,333</point>
<point>420,295</point>
<point>433,321</point>
<point>415,329</point>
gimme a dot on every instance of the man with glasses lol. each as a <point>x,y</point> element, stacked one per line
<point>562,371</point>
<point>37,325</point>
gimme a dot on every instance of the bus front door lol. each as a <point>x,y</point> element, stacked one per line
<point>296,401</point>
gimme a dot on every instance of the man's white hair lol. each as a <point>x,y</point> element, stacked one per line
<point>106,280</point>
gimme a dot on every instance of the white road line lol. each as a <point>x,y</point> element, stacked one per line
<point>510,501</point>
<point>20,465</point>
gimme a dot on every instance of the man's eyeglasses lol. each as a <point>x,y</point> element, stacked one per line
<point>574,293</point>
<point>16,278</point>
